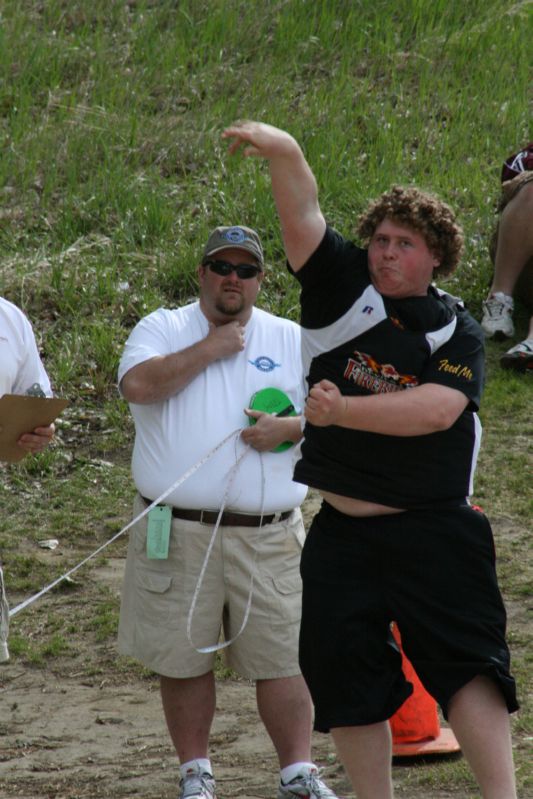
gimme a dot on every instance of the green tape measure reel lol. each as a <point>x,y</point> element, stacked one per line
<point>273,400</point>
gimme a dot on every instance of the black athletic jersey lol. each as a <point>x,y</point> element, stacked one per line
<point>369,344</point>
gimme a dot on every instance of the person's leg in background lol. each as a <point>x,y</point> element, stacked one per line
<point>513,273</point>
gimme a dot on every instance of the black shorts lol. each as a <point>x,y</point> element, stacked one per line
<point>432,572</point>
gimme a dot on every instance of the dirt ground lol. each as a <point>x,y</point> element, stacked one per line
<point>69,736</point>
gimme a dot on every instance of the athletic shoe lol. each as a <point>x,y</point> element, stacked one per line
<point>305,786</point>
<point>519,357</point>
<point>197,784</point>
<point>497,321</point>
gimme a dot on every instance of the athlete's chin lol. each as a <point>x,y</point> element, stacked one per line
<point>388,287</point>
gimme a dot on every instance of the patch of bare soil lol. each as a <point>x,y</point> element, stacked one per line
<point>64,735</point>
<point>65,739</point>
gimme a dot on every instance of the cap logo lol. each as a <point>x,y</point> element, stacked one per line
<point>235,234</point>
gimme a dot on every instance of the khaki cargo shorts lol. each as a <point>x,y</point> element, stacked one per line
<point>157,597</point>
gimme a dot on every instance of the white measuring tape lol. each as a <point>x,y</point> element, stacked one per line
<point>6,613</point>
<point>217,646</point>
<point>4,620</point>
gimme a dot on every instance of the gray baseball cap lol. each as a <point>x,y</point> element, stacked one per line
<point>238,237</point>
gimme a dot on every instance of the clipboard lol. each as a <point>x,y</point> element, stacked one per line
<point>21,414</point>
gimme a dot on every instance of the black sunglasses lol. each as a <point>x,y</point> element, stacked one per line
<point>224,268</point>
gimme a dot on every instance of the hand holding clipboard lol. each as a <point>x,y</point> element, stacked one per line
<point>21,414</point>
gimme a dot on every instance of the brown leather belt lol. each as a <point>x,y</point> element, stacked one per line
<point>229,518</point>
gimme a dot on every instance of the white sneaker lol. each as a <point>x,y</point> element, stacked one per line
<point>305,786</point>
<point>497,318</point>
<point>197,784</point>
<point>519,357</point>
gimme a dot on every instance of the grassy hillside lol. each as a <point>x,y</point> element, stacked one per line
<point>113,171</point>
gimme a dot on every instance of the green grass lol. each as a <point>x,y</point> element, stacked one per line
<point>113,171</point>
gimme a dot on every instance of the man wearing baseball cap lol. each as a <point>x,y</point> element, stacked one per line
<point>189,375</point>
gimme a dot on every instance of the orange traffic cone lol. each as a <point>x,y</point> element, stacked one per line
<point>415,726</point>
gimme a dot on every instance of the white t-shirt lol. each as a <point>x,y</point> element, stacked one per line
<point>173,435</point>
<point>20,364</point>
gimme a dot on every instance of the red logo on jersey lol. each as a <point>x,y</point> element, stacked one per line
<point>379,378</point>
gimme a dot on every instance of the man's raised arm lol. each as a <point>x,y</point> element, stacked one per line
<point>293,185</point>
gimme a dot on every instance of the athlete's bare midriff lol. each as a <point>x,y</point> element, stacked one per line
<point>358,507</point>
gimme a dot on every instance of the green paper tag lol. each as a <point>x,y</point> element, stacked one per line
<point>158,532</point>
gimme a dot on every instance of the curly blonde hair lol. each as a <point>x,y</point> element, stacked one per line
<point>422,212</point>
